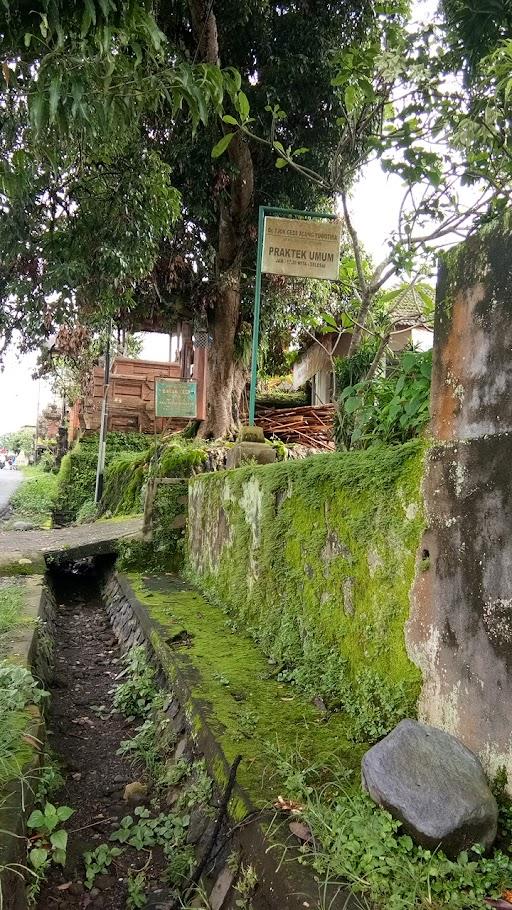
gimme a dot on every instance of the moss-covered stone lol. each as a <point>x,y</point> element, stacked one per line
<point>248,709</point>
<point>315,559</point>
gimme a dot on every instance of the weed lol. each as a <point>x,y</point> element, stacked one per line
<point>136,898</point>
<point>98,861</point>
<point>245,885</point>
<point>198,789</point>
<point>49,843</point>
<point>135,696</point>
<point>363,849</point>
<point>180,865</point>
<point>35,499</point>
<point>175,773</point>
<point>166,830</point>
<point>18,689</point>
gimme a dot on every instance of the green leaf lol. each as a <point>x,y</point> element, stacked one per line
<point>243,105</point>
<point>59,856</point>
<point>38,857</point>
<point>227,118</point>
<point>36,819</point>
<point>222,145</point>
<point>350,97</point>
<point>54,97</point>
<point>281,162</point>
<point>64,812</point>
<point>59,839</point>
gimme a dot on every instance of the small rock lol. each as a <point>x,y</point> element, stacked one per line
<point>434,785</point>
<point>197,826</point>
<point>24,561</point>
<point>181,748</point>
<point>135,792</point>
<point>103,882</point>
<point>94,892</point>
<point>221,888</point>
<point>23,526</point>
<point>162,899</point>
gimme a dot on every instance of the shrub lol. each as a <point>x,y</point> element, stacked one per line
<point>36,497</point>
<point>390,409</point>
<point>77,475</point>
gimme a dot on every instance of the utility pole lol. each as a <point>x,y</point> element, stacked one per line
<point>37,418</point>
<point>100,471</point>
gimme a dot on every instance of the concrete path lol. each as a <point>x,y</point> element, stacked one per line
<point>76,542</point>
<point>9,482</point>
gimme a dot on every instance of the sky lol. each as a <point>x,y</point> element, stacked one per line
<point>375,201</point>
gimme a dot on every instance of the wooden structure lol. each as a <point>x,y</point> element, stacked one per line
<point>309,426</point>
<point>131,394</point>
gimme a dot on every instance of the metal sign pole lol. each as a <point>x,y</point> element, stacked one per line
<point>262,212</point>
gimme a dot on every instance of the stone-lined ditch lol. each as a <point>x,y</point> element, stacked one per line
<point>194,839</point>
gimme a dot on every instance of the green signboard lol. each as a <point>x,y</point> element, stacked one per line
<point>175,398</point>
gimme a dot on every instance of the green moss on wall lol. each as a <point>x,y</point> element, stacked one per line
<point>250,711</point>
<point>316,560</point>
<point>125,477</point>
<point>77,476</point>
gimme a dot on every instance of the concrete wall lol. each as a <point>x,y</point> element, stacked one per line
<point>316,559</point>
<point>460,631</point>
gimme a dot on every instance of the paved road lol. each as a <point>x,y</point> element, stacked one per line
<point>9,480</point>
<point>76,542</point>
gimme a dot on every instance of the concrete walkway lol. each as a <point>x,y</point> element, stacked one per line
<point>9,482</point>
<point>77,542</point>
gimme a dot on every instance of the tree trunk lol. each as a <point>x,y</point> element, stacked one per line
<point>222,417</point>
<point>221,366</point>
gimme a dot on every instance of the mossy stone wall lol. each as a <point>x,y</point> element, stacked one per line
<point>316,559</point>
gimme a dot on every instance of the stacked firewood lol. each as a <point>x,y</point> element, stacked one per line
<point>309,426</point>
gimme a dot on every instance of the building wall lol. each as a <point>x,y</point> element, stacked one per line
<point>460,632</point>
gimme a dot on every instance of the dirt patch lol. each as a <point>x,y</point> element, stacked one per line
<point>85,735</point>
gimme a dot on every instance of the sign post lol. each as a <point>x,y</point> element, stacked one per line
<point>176,398</point>
<point>291,242</point>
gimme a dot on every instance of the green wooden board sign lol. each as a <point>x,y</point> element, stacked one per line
<point>175,398</point>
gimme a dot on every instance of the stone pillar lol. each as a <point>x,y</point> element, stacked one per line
<point>460,630</point>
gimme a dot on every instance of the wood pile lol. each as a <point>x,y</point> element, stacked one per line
<point>309,426</point>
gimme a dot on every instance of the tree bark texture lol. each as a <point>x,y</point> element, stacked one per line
<point>235,207</point>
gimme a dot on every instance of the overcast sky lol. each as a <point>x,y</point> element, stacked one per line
<point>376,200</point>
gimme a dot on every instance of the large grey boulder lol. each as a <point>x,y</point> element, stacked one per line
<point>434,785</point>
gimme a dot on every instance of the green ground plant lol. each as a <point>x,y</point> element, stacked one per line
<point>35,498</point>
<point>98,861</point>
<point>136,898</point>
<point>48,841</point>
<point>11,602</point>
<point>389,408</point>
<point>136,695</point>
<point>361,848</point>
<point>77,474</point>
<point>18,689</point>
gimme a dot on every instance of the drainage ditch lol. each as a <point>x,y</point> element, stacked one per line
<point>154,815</point>
<point>85,735</point>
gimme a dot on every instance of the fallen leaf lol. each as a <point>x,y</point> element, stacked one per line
<point>288,805</point>
<point>302,831</point>
<point>83,722</point>
<point>64,887</point>
<point>507,895</point>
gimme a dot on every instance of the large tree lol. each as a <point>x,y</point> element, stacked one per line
<point>84,200</point>
<point>211,260</point>
<point>98,104</point>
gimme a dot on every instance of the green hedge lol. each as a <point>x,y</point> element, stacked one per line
<point>77,476</point>
<point>316,559</point>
